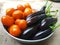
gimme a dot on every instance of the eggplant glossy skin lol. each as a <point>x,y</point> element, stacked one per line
<point>34,19</point>
<point>26,34</point>
<point>42,11</point>
<point>30,32</point>
<point>42,34</point>
<point>45,23</point>
<point>35,14</point>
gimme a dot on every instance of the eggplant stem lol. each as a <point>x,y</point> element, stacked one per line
<point>46,3</point>
<point>57,26</point>
<point>47,10</point>
<point>53,11</point>
<point>48,7</point>
<point>54,27</point>
<point>56,14</point>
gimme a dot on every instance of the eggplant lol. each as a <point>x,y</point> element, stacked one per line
<point>30,32</point>
<point>35,19</point>
<point>42,34</point>
<point>27,33</point>
<point>42,11</point>
<point>35,14</point>
<point>39,15</point>
<point>49,21</point>
<point>41,26</point>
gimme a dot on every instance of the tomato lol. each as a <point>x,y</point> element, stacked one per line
<point>7,20</point>
<point>27,11</point>
<point>21,23</point>
<point>17,14</point>
<point>9,11</point>
<point>14,30</point>
<point>20,7</point>
<point>27,5</point>
<point>17,21</point>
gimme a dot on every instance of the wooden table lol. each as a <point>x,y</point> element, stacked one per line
<point>54,40</point>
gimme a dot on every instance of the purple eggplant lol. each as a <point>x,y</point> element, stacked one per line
<point>42,11</point>
<point>35,19</point>
<point>49,21</point>
<point>30,32</point>
<point>42,34</point>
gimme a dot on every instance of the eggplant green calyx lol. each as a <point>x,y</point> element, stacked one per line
<point>54,27</point>
<point>53,15</point>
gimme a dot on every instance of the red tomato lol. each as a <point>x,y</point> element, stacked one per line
<point>14,30</point>
<point>21,23</point>
<point>9,11</point>
<point>7,20</point>
<point>17,14</point>
<point>27,5</point>
<point>27,11</point>
<point>20,7</point>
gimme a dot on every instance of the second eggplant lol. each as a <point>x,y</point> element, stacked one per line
<point>42,34</point>
<point>35,19</point>
<point>42,11</point>
<point>49,21</point>
<point>30,32</point>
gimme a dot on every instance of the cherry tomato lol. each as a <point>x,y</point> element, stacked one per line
<point>20,7</point>
<point>7,20</point>
<point>21,23</point>
<point>9,11</point>
<point>27,5</point>
<point>27,11</point>
<point>14,30</point>
<point>17,14</point>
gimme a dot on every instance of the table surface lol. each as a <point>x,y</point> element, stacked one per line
<point>54,40</point>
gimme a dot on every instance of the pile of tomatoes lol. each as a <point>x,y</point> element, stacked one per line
<point>15,19</point>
